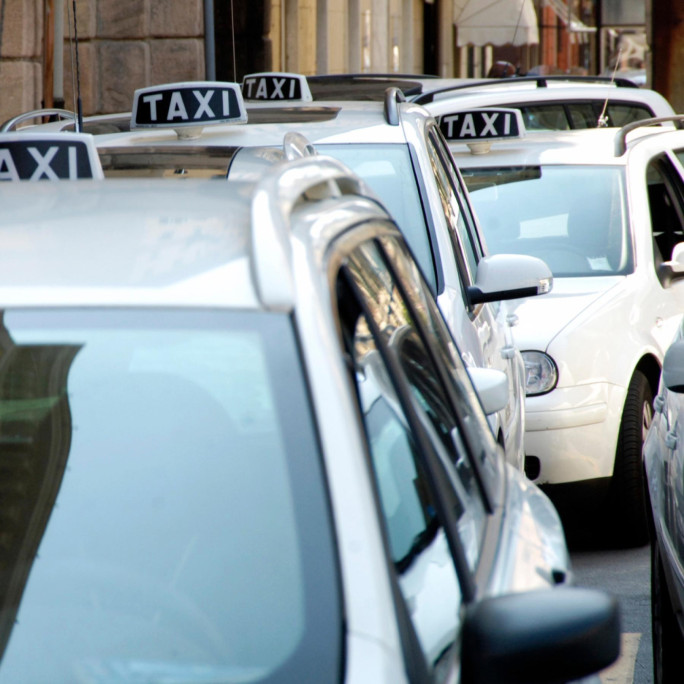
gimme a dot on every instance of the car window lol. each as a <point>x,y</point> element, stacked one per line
<point>621,114</point>
<point>583,114</point>
<point>667,216</point>
<point>573,217</point>
<point>403,402</point>
<point>480,440</point>
<point>388,170</point>
<point>545,117</point>
<point>462,240</point>
<point>391,317</point>
<point>154,464</point>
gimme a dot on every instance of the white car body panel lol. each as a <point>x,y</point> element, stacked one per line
<point>554,91</point>
<point>573,429</point>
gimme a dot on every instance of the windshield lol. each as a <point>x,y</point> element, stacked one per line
<point>572,217</point>
<point>163,508</point>
<point>389,172</point>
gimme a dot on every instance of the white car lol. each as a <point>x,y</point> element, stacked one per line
<point>239,444</point>
<point>664,465</point>
<point>553,102</point>
<point>603,208</point>
<point>393,145</point>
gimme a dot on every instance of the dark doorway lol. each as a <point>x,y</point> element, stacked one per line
<point>430,33</point>
<point>241,34</point>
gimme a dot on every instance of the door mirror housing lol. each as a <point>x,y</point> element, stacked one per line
<point>509,276</point>
<point>491,386</point>
<point>550,635</point>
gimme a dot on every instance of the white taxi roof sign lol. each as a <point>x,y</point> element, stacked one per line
<point>482,124</point>
<point>48,156</point>
<point>276,86</point>
<point>189,104</point>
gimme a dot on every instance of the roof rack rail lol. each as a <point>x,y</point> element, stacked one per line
<point>540,81</point>
<point>275,197</point>
<point>621,139</point>
<point>393,96</point>
<point>12,123</point>
<point>368,77</point>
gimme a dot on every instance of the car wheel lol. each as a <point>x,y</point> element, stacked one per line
<point>668,643</point>
<point>627,505</point>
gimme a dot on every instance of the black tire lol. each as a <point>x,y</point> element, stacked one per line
<point>627,501</point>
<point>668,643</point>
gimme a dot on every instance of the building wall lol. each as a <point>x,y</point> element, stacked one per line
<point>21,57</point>
<point>123,45</point>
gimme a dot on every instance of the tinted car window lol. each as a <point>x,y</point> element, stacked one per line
<point>153,467</point>
<point>550,117</point>
<point>621,114</point>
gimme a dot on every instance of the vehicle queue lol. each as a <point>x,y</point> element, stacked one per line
<point>448,530</point>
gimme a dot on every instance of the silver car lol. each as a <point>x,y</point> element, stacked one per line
<point>240,445</point>
<point>664,466</point>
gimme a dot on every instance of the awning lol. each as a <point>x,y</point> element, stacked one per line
<point>495,22</point>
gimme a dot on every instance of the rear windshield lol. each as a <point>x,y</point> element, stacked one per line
<point>572,217</point>
<point>164,517</point>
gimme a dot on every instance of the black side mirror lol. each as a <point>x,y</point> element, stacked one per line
<point>548,636</point>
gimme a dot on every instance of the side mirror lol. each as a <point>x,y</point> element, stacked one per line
<point>491,386</point>
<point>509,276</point>
<point>673,270</point>
<point>549,635</point>
<point>673,367</point>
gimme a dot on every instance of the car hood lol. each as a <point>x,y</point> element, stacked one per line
<point>541,318</point>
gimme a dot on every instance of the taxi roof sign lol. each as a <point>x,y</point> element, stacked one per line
<point>276,86</point>
<point>188,105</point>
<point>483,124</point>
<point>48,156</point>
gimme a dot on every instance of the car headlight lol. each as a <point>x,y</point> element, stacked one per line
<point>541,374</point>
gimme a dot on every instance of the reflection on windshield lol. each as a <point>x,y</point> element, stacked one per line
<point>152,514</point>
<point>35,438</point>
<point>572,217</point>
<point>389,172</point>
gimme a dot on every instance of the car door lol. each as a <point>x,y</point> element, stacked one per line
<point>491,319</point>
<point>435,493</point>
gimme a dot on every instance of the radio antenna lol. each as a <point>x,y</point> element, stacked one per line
<point>232,30</point>
<point>603,119</point>
<point>79,104</point>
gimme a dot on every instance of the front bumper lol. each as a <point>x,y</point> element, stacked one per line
<point>573,432</point>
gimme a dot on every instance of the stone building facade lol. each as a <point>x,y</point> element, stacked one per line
<point>122,45</point>
<point>127,44</point>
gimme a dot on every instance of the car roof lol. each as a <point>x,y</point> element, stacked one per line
<point>352,121</point>
<point>529,90</point>
<point>590,146</point>
<point>125,242</point>
<point>147,242</point>
<point>586,146</point>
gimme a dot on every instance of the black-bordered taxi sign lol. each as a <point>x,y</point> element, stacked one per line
<point>482,124</point>
<point>194,103</point>
<point>273,86</point>
<point>48,156</point>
